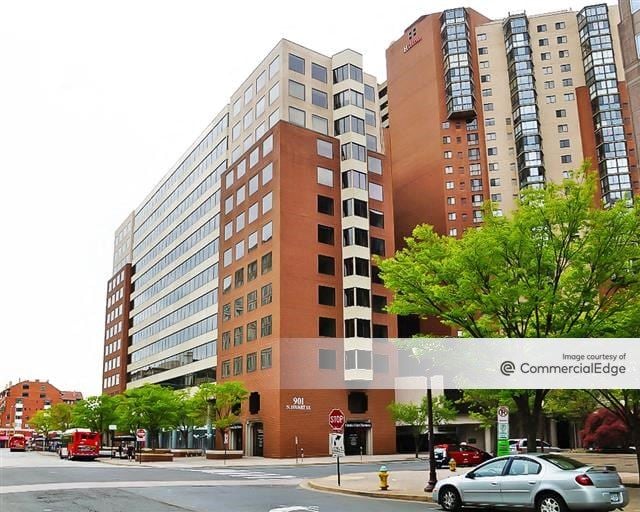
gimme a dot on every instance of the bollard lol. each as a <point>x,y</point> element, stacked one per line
<point>302,454</point>
<point>383,475</point>
<point>452,465</point>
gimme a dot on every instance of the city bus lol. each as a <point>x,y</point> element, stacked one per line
<point>17,443</point>
<point>79,443</point>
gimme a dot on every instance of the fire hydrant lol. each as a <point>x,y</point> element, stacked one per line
<point>383,475</point>
<point>452,464</point>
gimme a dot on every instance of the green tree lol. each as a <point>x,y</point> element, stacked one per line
<point>62,416</point>
<point>186,413</point>
<point>415,415</point>
<point>558,267</point>
<point>42,422</point>
<point>96,413</point>
<point>152,407</point>
<point>219,404</point>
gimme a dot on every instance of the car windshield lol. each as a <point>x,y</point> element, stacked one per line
<point>562,462</point>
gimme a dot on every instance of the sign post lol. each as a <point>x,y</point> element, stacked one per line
<point>503,431</point>
<point>140,437</point>
<point>336,439</point>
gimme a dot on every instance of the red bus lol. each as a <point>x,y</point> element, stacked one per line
<point>17,443</point>
<point>79,443</point>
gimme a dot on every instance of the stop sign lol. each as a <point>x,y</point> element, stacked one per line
<point>141,434</point>
<point>336,419</point>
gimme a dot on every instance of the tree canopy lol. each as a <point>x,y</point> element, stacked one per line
<point>96,413</point>
<point>559,266</point>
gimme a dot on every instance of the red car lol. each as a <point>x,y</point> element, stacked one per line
<point>463,454</point>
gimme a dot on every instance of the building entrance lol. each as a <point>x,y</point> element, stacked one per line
<point>356,438</point>
<point>257,439</point>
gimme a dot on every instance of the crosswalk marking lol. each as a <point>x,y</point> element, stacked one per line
<point>247,474</point>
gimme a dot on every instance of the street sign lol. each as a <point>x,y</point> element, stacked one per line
<point>226,438</point>
<point>336,444</point>
<point>113,427</point>
<point>141,434</point>
<point>336,420</point>
<point>503,431</point>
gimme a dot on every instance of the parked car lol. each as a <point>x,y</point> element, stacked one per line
<point>541,481</point>
<point>463,454</point>
<point>520,446</point>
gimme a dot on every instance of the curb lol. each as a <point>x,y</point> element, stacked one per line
<point>370,494</point>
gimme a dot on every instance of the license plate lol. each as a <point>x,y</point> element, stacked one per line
<point>615,497</point>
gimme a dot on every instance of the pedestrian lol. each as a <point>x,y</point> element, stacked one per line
<point>120,451</point>
<point>130,452</point>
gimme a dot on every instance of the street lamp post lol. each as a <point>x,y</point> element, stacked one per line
<point>433,478</point>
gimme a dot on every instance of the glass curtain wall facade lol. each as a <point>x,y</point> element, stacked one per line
<point>602,80</point>
<point>526,121</point>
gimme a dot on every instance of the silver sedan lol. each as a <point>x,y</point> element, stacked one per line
<point>545,482</point>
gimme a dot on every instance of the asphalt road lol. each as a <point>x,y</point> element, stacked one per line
<point>33,482</point>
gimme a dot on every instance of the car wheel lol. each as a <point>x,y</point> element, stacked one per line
<point>550,502</point>
<point>450,499</point>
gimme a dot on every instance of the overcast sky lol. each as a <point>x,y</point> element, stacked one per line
<point>97,101</point>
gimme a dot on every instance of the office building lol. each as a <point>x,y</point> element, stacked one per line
<point>261,234</point>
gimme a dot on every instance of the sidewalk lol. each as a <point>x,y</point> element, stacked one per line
<point>409,485</point>
<point>197,462</point>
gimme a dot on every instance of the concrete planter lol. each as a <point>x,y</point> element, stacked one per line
<point>219,454</point>
<point>159,455</point>
<point>183,452</point>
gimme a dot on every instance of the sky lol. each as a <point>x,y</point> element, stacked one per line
<point>97,101</point>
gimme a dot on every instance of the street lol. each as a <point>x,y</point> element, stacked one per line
<point>36,482</point>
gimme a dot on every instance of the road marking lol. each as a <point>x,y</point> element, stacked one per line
<point>9,489</point>
<point>296,508</point>
<point>246,474</point>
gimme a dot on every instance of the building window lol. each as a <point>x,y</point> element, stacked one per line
<point>252,361</point>
<point>319,72</point>
<point>449,185</point>
<point>325,234</point>
<point>565,143</point>
<point>226,340</point>
<point>326,359</point>
<point>357,327</point>
<point>355,236</point>
<point>252,331</point>
<point>448,155</point>
<point>369,93</point>
<point>377,246</point>
<point>324,148</point>
<point>238,337</point>
<point>549,84</point>
<point>296,90</point>
<point>252,270</point>
<point>376,219</point>
<point>319,98</point>
<point>274,67</point>
<point>325,205</point>
<point>541,28</point>
<point>326,265</point>
<point>563,54</point>
<point>561,39</point>
<point>550,99</point>
<point>543,42</point>
<point>567,82</point>
<point>483,50</point>
<point>565,159</point>
<point>296,116</point>
<point>265,359</point>
<point>356,266</point>
<point>325,177</point>
<point>492,151</point>
<point>267,263</point>
<point>374,164</point>
<point>265,326</point>
<point>226,368</point>
<point>354,207</point>
<point>547,70</point>
<point>239,278</point>
<point>266,294</point>
<point>320,124</point>
<point>226,284</point>
<point>296,63</point>
<point>327,327</point>
<point>375,191</point>
<point>569,96</point>
<point>561,113</point>
<point>372,142</point>
<point>565,68</point>
<point>356,297</point>
<point>326,296</point>
<point>563,128</point>
<point>354,179</point>
<point>237,365</point>
<point>379,303</point>
<point>545,56</point>
<point>252,300</point>
<point>485,78</point>
<point>370,117</point>
<point>560,25</point>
